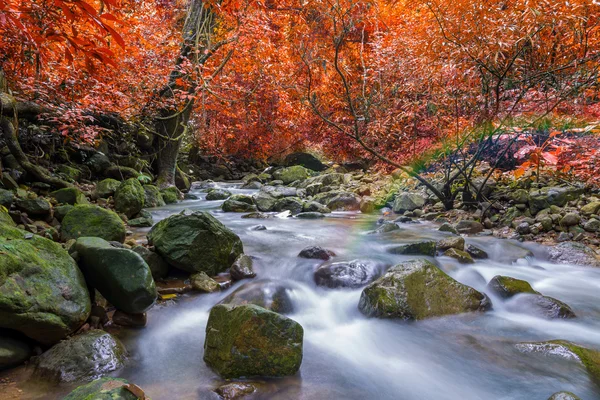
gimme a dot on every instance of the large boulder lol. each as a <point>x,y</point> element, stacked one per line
<point>105,389</point>
<point>552,196</point>
<point>35,207</point>
<point>347,274</point>
<point>409,202</point>
<point>42,292</point>
<point>90,220</point>
<point>291,174</point>
<point>106,188</point>
<point>417,290</point>
<point>306,160</point>
<point>83,357</point>
<point>196,242</point>
<point>120,275</point>
<point>248,340</point>
<point>130,197</point>
<point>69,196</point>
<point>574,253</point>
<point>269,294</point>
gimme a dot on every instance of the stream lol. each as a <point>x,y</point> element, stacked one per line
<point>349,356</point>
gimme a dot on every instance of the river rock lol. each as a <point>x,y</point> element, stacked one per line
<point>248,340</point>
<point>5,218</point>
<point>306,160</point>
<point>13,350</point>
<point>196,242</point>
<point>446,227</point>
<point>293,204</point>
<point>238,203</point>
<point>347,274</point>
<point>418,289</point>
<point>153,197</point>
<point>475,251</point>
<point>235,390</point>
<point>6,198</point>
<point>544,306</point>
<point>98,163</point>
<point>591,208</point>
<point>462,256</point>
<point>425,248</point>
<point>316,252</point>
<point>69,196</point>
<point>87,356</point>
<point>409,202</point>
<point>540,199</point>
<point>90,220</point>
<point>132,320</point>
<point>106,188</point>
<point>242,268</point>
<point>343,201</point>
<point>452,242</point>
<point>129,197</point>
<point>291,174</point>
<point>106,389</point>
<point>469,227</point>
<point>313,206</point>
<point>121,173</point>
<point>272,295</point>
<point>310,215</point>
<point>592,225</point>
<point>218,194</point>
<point>158,267</point>
<point>170,195</point>
<point>570,219</point>
<point>264,201</point>
<point>564,396</point>
<point>204,283</point>
<point>257,215</point>
<point>35,207</point>
<point>120,275</point>
<point>141,222</point>
<point>505,286</point>
<point>574,253</point>
<point>42,292</point>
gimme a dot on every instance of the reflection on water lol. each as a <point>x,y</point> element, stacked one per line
<point>347,356</point>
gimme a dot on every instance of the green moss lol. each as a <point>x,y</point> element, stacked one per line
<point>291,174</point>
<point>248,340</point>
<point>589,358</point>
<point>425,248</point>
<point>462,256</point>
<point>90,220</point>
<point>153,197</point>
<point>107,187</point>
<point>130,197</point>
<point>69,196</point>
<point>170,195</point>
<point>505,286</point>
<point>102,389</point>
<point>5,217</point>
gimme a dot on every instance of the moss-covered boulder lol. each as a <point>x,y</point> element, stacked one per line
<point>424,248</point>
<point>153,197</point>
<point>451,242</point>
<point>264,201</point>
<point>69,196</point>
<point>170,195</point>
<point>69,173</point>
<point>218,194</point>
<point>104,389</point>
<point>121,173</point>
<point>291,174</point>
<point>589,358</point>
<point>196,242</point>
<point>248,340</point>
<point>505,286</point>
<point>87,356</point>
<point>35,207</point>
<point>5,218</point>
<point>540,199</point>
<point>461,256</point>
<point>90,220</point>
<point>564,396</point>
<point>339,200</point>
<point>239,203</point>
<point>130,197</point>
<point>42,292</point>
<point>266,293</point>
<point>418,289</point>
<point>120,275</point>
<point>106,188</point>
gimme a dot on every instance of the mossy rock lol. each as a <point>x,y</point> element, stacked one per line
<point>425,248</point>
<point>239,203</point>
<point>552,196</point>
<point>35,207</point>
<point>5,218</point>
<point>170,195</point>
<point>451,242</point>
<point>129,197</point>
<point>107,188</point>
<point>62,210</point>
<point>505,286</point>
<point>462,256</point>
<point>591,208</point>
<point>204,283</point>
<point>196,242</point>
<point>7,197</point>
<point>120,275</point>
<point>103,389</point>
<point>69,196</point>
<point>292,204</point>
<point>90,220</point>
<point>417,290</point>
<point>218,194</point>
<point>153,197</point>
<point>87,356</point>
<point>248,341</point>
<point>70,173</point>
<point>291,174</point>
<point>42,292</point>
<point>121,173</point>
<point>264,201</point>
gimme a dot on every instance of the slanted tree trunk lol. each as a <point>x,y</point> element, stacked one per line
<point>9,111</point>
<point>171,124</point>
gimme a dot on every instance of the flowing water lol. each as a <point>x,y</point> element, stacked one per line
<point>349,356</point>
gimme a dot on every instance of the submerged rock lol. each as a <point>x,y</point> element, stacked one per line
<point>574,253</point>
<point>105,389</point>
<point>425,248</point>
<point>505,286</point>
<point>235,390</point>
<point>248,340</point>
<point>543,306</point>
<point>347,274</point>
<point>90,220</point>
<point>418,289</point>
<point>310,215</point>
<point>89,355</point>
<point>42,292</point>
<point>293,204</point>
<point>316,252</point>
<point>120,275</point>
<point>272,295</point>
<point>196,242</point>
